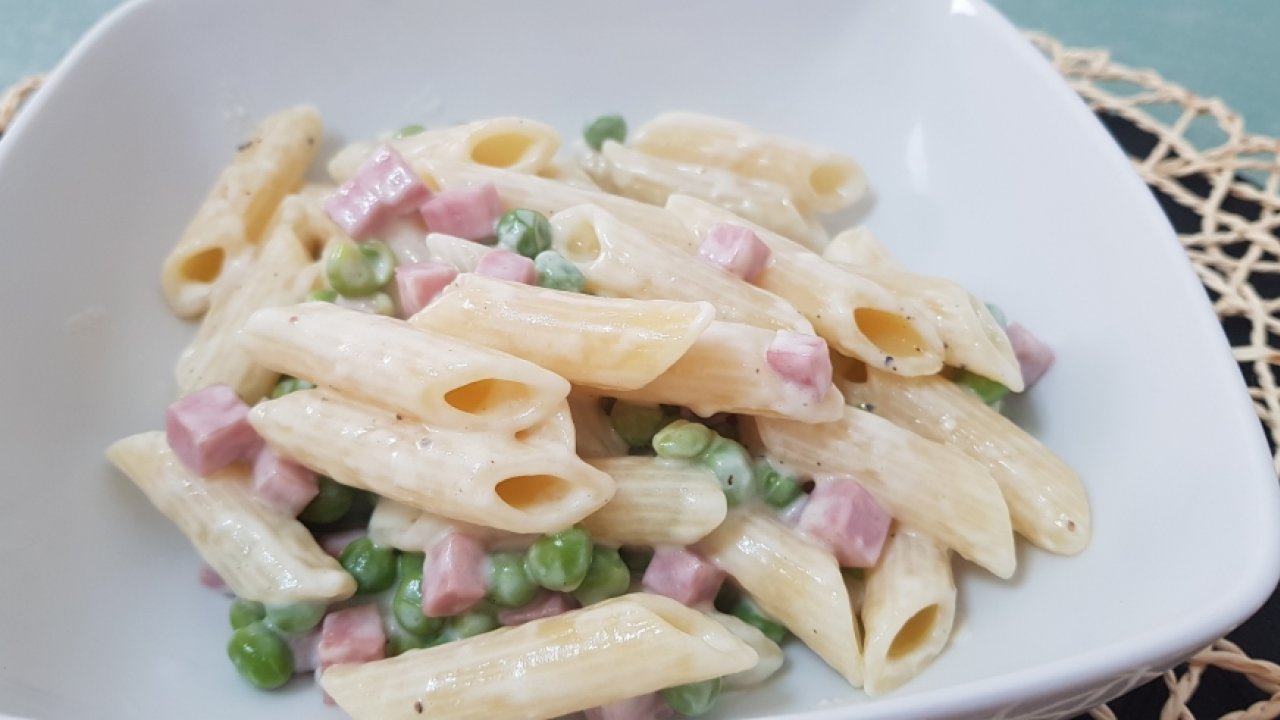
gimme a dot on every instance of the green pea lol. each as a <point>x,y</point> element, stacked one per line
<point>322,295</point>
<point>693,699</point>
<point>732,466</point>
<point>751,614</point>
<point>261,656</point>
<point>636,558</point>
<point>329,505</point>
<point>524,231</point>
<point>400,640</point>
<point>406,608</point>
<point>378,303</point>
<point>637,424</point>
<point>557,273</point>
<point>295,618</point>
<point>989,391</point>
<point>683,440</point>
<point>372,565</point>
<point>408,131</point>
<point>998,314</point>
<point>479,619</point>
<point>290,385</point>
<point>779,489</point>
<point>246,612</point>
<point>607,577</point>
<point>359,270</point>
<point>560,562</point>
<point>509,582</point>
<point>409,564</point>
<point>605,127</point>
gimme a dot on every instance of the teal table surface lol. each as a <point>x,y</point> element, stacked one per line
<point>1214,48</point>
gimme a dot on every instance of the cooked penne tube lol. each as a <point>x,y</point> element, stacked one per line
<point>857,316</point>
<point>511,143</point>
<point>595,435</point>
<point>261,553</point>
<point>407,528</point>
<point>570,173</point>
<point>727,370</point>
<point>461,253</point>
<point>794,580</point>
<point>972,339</point>
<point>221,239</point>
<point>555,429</point>
<point>769,654</point>
<point>443,381</point>
<point>652,179</point>
<point>658,502</point>
<point>859,246</point>
<point>604,343</point>
<point>919,482</point>
<point>623,261</point>
<point>482,478</point>
<point>628,646</point>
<point>821,180</point>
<point>285,271</point>
<point>1047,502</point>
<point>908,609</point>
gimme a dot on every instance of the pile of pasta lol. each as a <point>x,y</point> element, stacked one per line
<point>485,412</point>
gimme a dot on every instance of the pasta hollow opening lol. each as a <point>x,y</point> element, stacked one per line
<point>531,492</point>
<point>205,266</point>
<point>889,332</point>
<point>503,150</point>
<point>851,370</point>
<point>914,633</point>
<point>828,178</point>
<point>583,244</point>
<point>491,397</point>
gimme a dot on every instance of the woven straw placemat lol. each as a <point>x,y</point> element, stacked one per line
<point>1203,160</point>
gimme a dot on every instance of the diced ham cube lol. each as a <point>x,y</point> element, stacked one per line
<point>506,265</point>
<point>383,188</point>
<point>1034,356</point>
<point>545,605</point>
<point>845,517</point>
<point>283,484</point>
<point>803,360</point>
<point>352,635</point>
<point>209,429</point>
<point>420,283</point>
<point>334,543</point>
<point>651,706</point>
<point>454,576</point>
<point>306,651</point>
<point>211,579</point>
<point>682,575</point>
<point>470,213</point>
<point>736,249</point>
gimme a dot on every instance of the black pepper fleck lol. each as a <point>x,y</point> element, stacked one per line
<point>399,416</point>
<point>244,146</point>
<point>293,319</point>
<point>417,706</point>
<point>312,141</point>
<point>888,361</point>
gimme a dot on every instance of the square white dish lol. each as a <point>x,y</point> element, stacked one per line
<point>983,165</point>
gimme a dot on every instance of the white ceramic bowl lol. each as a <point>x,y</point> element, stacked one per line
<point>984,166</point>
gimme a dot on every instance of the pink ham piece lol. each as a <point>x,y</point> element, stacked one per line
<point>454,576</point>
<point>470,213</point>
<point>506,265</point>
<point>209,429</point>
<point>845,517</point>
<point>1034,357</point>
<point>682,575</point>
<point>545,605</point>
<point>642,707</point>
<point>383,188</point>
<point>420,283</point>
<point>736,249</point>
<point>283,484</point>
<point>803,360</point>
<point>333,544</point>
<point>353,635</point>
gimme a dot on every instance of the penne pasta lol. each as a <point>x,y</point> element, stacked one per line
<point>1047,502</point>
<point>461,253</point>
<point>443,381</point>
<point>820,180</point>
<point>511,143</point>
<point>482,478</point>
<point>657,502</point>
<point>859,246</point>
<point>594,433</point>
<point>604,343</point>
<point>794,580</point>
<point>407,528</point>
<point>285,271</point>
<point>857,316</point>
<point>569,173</point>
<point>555,429</point>
<point>918,482</point>
<point>221,239</point>
<point>908,609</point>
<point>769,654</point>
<point>628,646</point>
<point>727,370</point>
<point>261,553</point>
